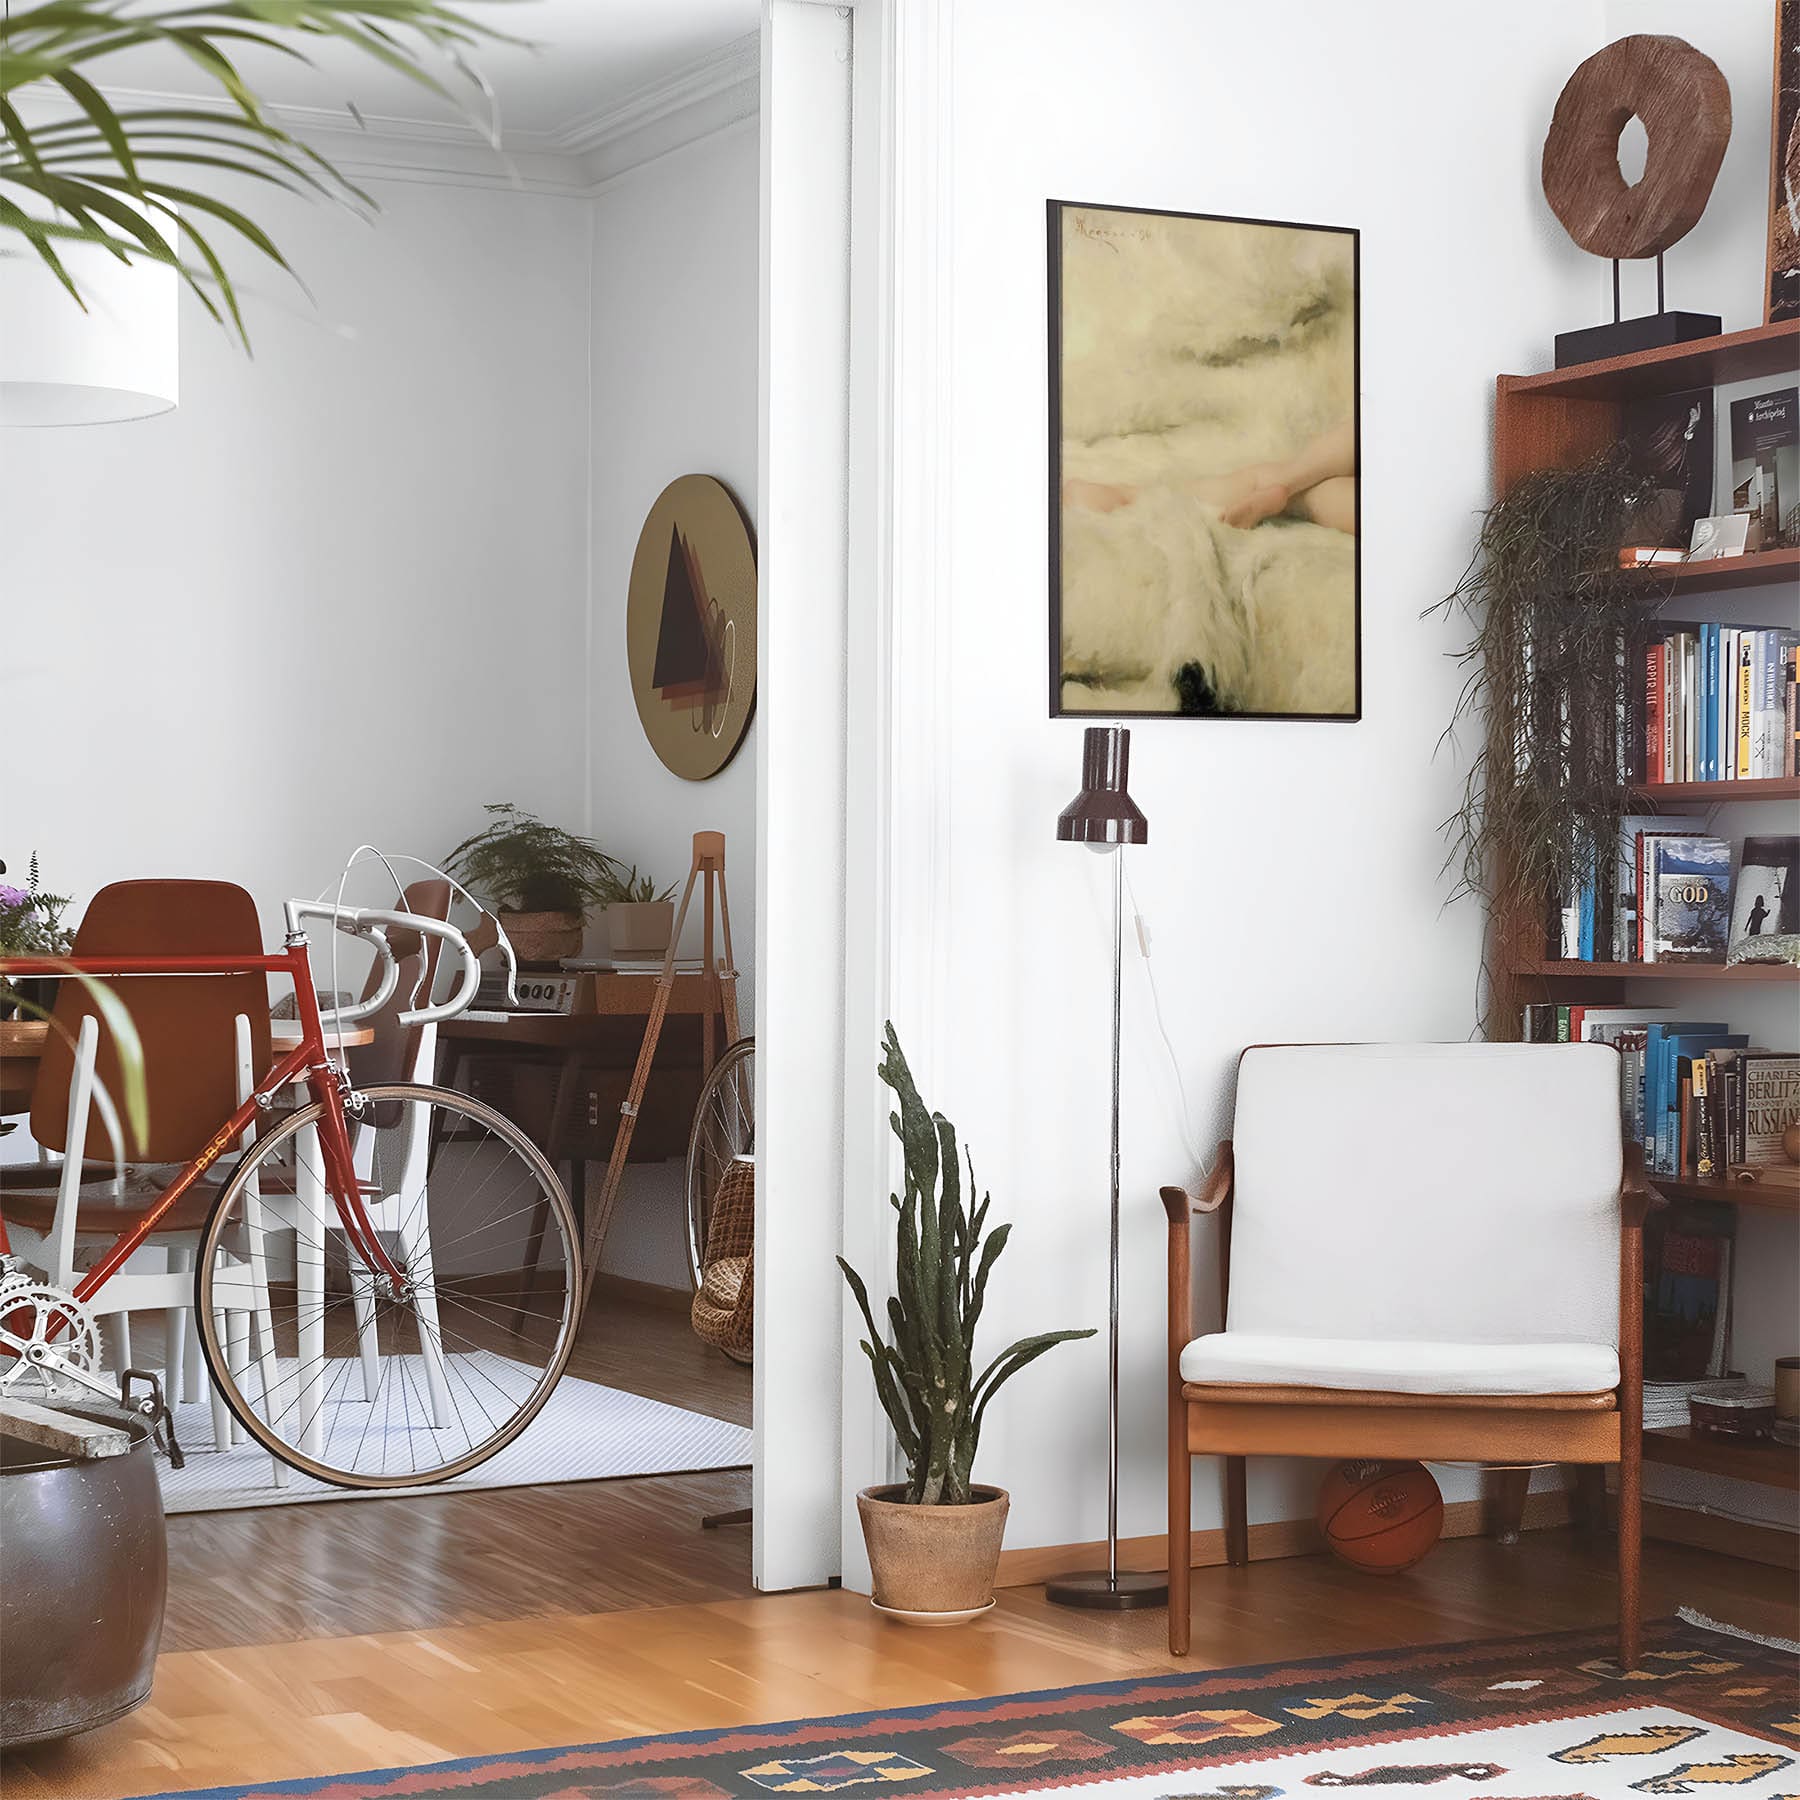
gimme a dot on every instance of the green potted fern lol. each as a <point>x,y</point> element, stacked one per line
<point>934,1539</point>
<point>541,878</point>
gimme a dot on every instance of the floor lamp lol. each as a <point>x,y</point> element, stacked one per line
<point>1104,817</point>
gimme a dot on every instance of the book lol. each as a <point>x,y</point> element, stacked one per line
<point>1741,757</point>
<point>1766,896</point>
<point>1770,651</point>
<point>1688,881</point>
<point>1669,439</point>
<point>1687,1302</point>
<point>1768,1103</point>
<point>1765,458</point>
<point>1633,828</point>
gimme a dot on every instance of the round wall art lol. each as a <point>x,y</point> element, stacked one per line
<point>690,626</point>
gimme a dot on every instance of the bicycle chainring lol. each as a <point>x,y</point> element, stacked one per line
<point>34,1312</point>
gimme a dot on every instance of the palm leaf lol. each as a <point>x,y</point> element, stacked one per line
<point>80,167</point>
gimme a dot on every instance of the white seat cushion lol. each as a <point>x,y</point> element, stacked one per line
<point>1395,1366</point>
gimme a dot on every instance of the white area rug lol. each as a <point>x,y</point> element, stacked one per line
<point>586,1432</point>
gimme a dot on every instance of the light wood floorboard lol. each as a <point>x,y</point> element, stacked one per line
<point>335,1704</point>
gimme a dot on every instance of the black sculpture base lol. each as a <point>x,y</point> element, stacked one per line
<point>1625,337</point>
<point>1095,1591</point>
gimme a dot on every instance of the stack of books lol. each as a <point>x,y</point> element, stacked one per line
<point>1678,894</point>
<point>1718,704</point>
<point>1699,1097</point>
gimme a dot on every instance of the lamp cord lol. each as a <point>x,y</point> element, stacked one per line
<point>1184,1118</point>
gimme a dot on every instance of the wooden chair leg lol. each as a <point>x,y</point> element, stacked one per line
<point>1181,1533</point>
<point>1630,1554</point>
<point>1506,1502</point>
<point>1237,1513</point>
<point>1590,1500</point>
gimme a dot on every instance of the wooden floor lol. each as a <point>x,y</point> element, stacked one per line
<point>315,1640</point>
<point>336,1704</point>
<point>334,1568</point>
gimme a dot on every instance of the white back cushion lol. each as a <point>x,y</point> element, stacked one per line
<point>1457,1192</point>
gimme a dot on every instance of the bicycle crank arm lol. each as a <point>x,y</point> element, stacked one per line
<point>48,1358</point>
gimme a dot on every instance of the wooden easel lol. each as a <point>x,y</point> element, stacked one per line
<point>720,976</point>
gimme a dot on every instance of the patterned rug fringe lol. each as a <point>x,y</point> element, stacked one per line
<point>1689,1616</point>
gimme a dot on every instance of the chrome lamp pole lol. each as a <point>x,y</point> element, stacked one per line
<point>1105,818</point>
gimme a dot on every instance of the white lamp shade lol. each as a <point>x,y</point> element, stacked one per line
<point>61,366</point>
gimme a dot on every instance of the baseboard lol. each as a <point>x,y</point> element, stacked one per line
<point>1730,1537</point>
<point>644,1293</point>
<point>1272,1538</point>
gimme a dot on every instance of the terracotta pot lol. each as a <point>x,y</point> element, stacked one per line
<point>933,1559</point>
<point>640,927</point>
<point>542,939</point>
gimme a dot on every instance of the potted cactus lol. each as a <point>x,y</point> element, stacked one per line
<point>934,1539</point>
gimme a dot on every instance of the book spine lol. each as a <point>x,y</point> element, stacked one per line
<point>1684,1124</point>
<point>1727,739</point>
<point>1742,770</point>
<point>1791,743</point>
<point>1653,714</point>
<point>1709,701</point>
<point>1670,702</point>
<point>1685,744</point>
<point>1705,1163</point>
<point>1562,1024</point>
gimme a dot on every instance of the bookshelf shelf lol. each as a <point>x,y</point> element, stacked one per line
<point>1759,1460</point>
<point>1764,350</point>
<point>1760,568</point>
<point>1770,1198</point>
<point>1655,971</point>
<point>1778,787</point>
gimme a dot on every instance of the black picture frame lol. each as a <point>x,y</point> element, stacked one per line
<point>1054,212</point>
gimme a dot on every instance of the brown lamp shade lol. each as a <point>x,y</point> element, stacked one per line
<point>1103,812</point>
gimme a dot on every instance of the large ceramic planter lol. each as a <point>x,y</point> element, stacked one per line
<point>543,939</point>
<point>640,928</point>
<point>933,1565</point>
<point>86,1567</point>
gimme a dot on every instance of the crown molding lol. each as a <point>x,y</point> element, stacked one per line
<point>704,97</point>
<point>732,74</point>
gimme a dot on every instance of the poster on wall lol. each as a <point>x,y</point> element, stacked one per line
<point>1784,168</point>
<point>1204,438</point>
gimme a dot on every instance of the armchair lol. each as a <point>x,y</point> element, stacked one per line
<point>1428,1251</point>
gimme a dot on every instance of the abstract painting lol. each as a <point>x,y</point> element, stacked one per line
<point>1784,168</point>
<point>1204,441</point>
<point>690,626</point>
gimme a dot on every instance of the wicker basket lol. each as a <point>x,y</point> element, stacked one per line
<point>722,1312</point>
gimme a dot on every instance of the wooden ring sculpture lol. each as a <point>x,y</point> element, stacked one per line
<point>1684,102</point>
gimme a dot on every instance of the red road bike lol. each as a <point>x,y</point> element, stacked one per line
<point>387,1280</point>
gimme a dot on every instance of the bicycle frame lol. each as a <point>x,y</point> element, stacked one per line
<point>308,1061</point>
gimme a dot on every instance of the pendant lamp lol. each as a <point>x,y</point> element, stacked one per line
<point>59,365</point>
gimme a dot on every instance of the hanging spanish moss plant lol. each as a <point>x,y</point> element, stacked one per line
<point>1549,679</point>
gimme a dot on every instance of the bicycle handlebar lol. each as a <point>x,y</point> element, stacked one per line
<point>373,925</point>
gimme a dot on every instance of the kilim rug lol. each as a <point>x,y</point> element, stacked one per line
<point>1543,1718</point>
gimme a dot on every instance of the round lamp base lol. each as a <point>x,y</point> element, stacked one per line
<point>1095,1590</point>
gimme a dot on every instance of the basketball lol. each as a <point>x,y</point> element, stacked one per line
<point>1380,1517</point>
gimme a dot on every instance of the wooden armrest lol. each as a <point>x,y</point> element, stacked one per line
<point>1636,1196</point>
<point>1179,1204</point>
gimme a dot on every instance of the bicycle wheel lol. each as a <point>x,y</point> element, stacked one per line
<point>724,1126</point>
<point>342,1373</point>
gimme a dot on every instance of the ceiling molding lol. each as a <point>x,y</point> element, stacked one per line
<point>723,73</point>
<point>698,100</point>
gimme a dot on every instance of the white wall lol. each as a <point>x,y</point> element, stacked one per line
<point>376,528</point>
<point>674,372</point>
<point>1292,879</point>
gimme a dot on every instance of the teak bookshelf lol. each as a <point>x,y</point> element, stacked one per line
<point>1558,420</point>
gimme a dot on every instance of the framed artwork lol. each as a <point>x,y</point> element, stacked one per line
<point>1204,447</point>
<point>690,626</point>
<point>1784,169</point>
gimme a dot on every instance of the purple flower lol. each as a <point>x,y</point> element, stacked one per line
<point>13,897</point>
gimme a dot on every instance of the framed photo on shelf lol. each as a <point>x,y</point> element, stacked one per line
<point>1205,439</point>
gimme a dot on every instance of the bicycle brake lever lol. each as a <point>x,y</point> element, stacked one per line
<point>156,1409</point>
